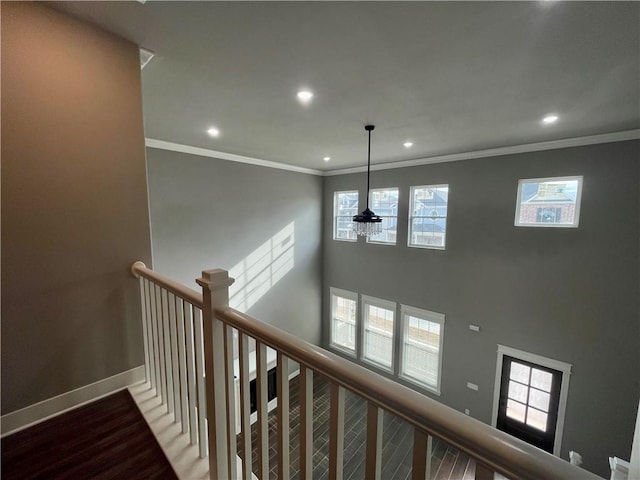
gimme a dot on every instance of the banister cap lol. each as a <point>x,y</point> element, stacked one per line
<point>134,268</point>
<point>215,279</point>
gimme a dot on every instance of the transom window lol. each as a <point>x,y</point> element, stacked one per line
<point>549,202</point>
<point>428,216</point>
<point>344,314</point>
<point>345,206</point>
<point>384,203</point>
<point>378,318</point>
<point>422,339</point>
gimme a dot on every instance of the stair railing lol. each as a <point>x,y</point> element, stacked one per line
<point>189,350</point>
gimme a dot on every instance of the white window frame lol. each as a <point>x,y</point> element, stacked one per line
<point>335,215</point>
<point>371,191</point>
<point>430,316</point>
<point>576,215</point>
<point>365,301</point>
<point>337,292</point>
<point>563,367</point>
<point>412,216</point>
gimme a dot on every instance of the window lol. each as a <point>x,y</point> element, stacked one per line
<point>378,321</point>
<point>345,206</point>
<point>549,202</point>
<point>428,216</point>
<point>384,203</point>
<point>344,305</point>
<point>422,336</point>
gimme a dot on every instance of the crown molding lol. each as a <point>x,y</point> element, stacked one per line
<point>204,152</point>
<point>492,152</point>
<point>495,152</point>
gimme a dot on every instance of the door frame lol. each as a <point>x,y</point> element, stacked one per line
<point>563,367</point>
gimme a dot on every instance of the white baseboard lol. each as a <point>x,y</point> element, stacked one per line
<point>38,412</point>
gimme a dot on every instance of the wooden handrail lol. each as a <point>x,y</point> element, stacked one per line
<point>139,269</point>
<point>505,454</point>
<point>490,447</point>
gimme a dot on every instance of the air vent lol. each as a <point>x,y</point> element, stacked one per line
<point>145,57</point>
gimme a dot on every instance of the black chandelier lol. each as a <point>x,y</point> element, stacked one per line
<point>367,223</point>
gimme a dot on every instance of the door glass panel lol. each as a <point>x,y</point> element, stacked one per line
<point>516,410</point>
<point>529,402</point>
<point>541,379</point>
<point>539,399</point>
<point>517,391</point>
<point>519,372</point>
<point>536,419</point>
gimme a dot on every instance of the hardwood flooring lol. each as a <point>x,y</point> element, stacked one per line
<point>106,439</point>
<point>397,444</point>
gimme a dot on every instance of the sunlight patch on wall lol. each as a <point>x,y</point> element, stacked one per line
<point>262,269</point>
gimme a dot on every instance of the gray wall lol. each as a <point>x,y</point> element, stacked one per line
<point>567,294</point>
<point>211,213</point>
<point>74,206</point>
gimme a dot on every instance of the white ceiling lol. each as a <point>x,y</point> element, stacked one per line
<point>452,77</point>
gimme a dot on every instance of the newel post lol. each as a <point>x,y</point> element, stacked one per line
<point>215,295</point>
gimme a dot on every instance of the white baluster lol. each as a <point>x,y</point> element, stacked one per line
<point>166,323</point>
<point>306,422</point>
<point>145,332</point>
<point>373,464</point>
<point>245,407</point>
<point>200,383</point>
<point>336,432</point>
<point>152,367</point>
<point>261,400</point>
<point>182,364</point>
<point>156,339</point>
<point>175,373</point>
<point>283,416</point>
<point>161,345</point>
<point>191,373</point>
<point>231,402</point>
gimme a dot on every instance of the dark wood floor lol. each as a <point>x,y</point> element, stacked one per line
<point>397,443</point>
<point>106,439</point>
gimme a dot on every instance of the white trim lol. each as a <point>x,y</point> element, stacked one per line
<point>387,305</point>
<point>335,216</point>
<point>205,152</point>
<point>349,295</point>
<point>429,316</point>
<point>51,407</point>
<point>576,203</point>
<point>492,152</point>
<point>411,217</point>
<point>382,189</point>
<point>563,367</point>
<point>496,152</point>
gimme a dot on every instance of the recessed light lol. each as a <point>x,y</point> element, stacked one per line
<point>408,144</point>
<point>326,159</point>
<point>549,119</point>
<point>213,131</point>
<point>305,96</point>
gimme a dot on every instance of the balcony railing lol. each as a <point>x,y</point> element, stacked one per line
<point>189,357</point>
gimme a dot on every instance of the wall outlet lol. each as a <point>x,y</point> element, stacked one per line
<point>467,412</point>
<point>472,386</point>
<point>475,328</point>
